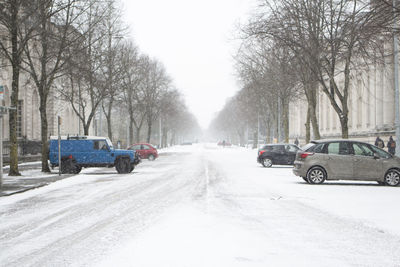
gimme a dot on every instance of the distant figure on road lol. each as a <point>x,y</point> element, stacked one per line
<point>296,142</point>
<point>223,143</point>
<point>379,142</point>
<point>391,145</point>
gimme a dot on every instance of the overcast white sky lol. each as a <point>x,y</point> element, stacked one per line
<point>193,39</point>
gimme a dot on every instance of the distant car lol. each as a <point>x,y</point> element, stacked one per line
<point>186,144</point>
<point>277,154</point>
<point>346,160</point>
<point>224,143</point>
<point>145,151</point>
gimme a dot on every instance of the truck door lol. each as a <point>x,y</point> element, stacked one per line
<point>101,152</point>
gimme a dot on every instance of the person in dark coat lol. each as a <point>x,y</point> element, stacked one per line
<point>296,142</point>
<point>391,145</point>
<point>379,142</point>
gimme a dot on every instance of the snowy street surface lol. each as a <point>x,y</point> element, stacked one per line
<point>200,205</point>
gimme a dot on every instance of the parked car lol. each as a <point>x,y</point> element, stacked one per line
<point>346,160</point>
<point>277,154</point>
<point>90,151</point>
<point>145,151</point>
<point>186,143</point>
<point>224,143</point>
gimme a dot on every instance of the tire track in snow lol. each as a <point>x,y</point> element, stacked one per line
<point>102,221</point>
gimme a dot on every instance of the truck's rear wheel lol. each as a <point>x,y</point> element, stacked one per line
<point>68,166</point>
<point>77,169</point>
<point>123,165</point>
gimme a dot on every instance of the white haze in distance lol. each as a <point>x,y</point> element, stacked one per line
<point>194,40</point>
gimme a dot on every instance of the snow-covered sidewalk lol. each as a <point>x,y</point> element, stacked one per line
<point>29,179</point>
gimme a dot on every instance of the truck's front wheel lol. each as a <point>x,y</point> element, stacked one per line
<point>123,165</point>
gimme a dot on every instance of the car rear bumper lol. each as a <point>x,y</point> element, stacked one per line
<point>299,169</point>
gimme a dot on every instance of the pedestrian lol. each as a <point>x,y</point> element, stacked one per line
<point>391,145</point>
<point>296,142</point>
<point>223,143</point>
<point>379,142</point>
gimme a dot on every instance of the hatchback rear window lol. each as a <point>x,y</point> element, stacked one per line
<point>308,147</point>
<point>318,148</point>
<point>268,148</point>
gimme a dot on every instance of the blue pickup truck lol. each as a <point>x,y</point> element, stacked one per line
<point>90,151</point>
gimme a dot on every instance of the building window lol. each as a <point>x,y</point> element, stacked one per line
<point>19,118</point>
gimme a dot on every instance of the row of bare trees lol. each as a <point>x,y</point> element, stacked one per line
<point>294,48</point>
<point>79,50</point>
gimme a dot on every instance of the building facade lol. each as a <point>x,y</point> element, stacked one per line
<point>28,122</point>
<point>371,106</point>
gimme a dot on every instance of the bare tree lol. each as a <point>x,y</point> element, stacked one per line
<point>45,56</point>
<point>114,32</point>
<point>267,72</point>
<point>156,82</point>
<point>132,83</point>
<point>86,84</point>
<point>329,34</point>
<point>18,29</point>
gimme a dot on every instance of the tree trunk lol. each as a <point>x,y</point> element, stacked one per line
<point>44,127</point>
<point>13,120</point>
<point>109,130</point>
<point>307,124</point>
<point>108,118</point>
<point>314,122</point>
<point>241,138</point>
<point>286,121</point>
<point>268,133</point>
<point>345,128</point>
<point>130,141</point>
<point>255,139</point>
<point>172,139</point>
<point>137,138</point>
<point>312,103</point>
<point>164,137</point>
<point>276,130</point>
<point>86,127</point>
<point>149,128</point>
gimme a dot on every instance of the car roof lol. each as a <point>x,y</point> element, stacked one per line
<point>323,141</point>
<point>142,144</point>
<point>280,144</point>
<point>75,137</point>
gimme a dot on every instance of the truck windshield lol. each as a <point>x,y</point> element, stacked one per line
<point>109,143</point>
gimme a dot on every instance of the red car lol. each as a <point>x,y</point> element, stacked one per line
<point>145,151</point>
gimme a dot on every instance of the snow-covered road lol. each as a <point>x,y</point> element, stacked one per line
<point>201,206</point>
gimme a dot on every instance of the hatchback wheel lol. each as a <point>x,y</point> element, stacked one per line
<point>392,178</point>
<point>316,175</point>
<point>151,157</point>
<point>266,162</point>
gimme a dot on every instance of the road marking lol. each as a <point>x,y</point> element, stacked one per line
<point>207,182</point>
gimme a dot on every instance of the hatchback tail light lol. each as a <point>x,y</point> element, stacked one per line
<point>261,152</point>
<point>306,154</point>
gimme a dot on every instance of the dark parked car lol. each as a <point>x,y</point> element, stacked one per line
<point>346,160</point>
<point>145,151</point>
<point>277,154</point>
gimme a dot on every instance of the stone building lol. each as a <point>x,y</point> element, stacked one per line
<point>28,124</point>
<point>371,106</point>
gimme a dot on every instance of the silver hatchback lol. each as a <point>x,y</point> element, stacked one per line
<point>346,160</point>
